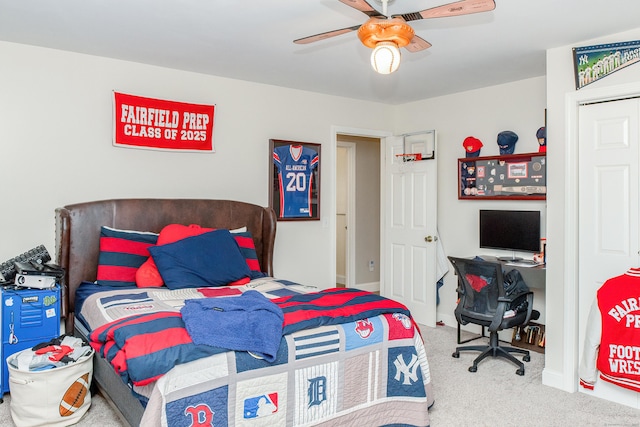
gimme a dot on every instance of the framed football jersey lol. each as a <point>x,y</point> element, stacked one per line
<point>294,190</point>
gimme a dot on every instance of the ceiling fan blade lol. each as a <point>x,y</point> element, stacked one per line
<point>328,34</point>
<point>417,44</point>
<point>462,7</point>
<point>363,7</point>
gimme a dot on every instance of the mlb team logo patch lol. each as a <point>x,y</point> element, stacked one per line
<point>261,406</point>
<point>316,393</point>
<point>262,401</point>
<point>404,376</point>
<point>400,326</point>
<point>203,409</point>
<point>363,332</point>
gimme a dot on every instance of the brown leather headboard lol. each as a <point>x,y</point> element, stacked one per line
<point>78,231</point>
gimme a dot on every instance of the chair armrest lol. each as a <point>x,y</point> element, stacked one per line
<point>529,307</point>
<point>504,303</point>
<point>499,316</point>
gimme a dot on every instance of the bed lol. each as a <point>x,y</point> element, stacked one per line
<point>362,363</point>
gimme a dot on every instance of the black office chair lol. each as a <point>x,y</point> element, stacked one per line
<point>484,301</point>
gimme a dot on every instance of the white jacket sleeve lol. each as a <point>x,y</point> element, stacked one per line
<point>442,263</point>
<point>588,371</point>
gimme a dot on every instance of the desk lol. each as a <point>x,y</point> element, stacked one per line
<point>534,277</point>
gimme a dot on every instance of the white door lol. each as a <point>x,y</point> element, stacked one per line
<point>608,209</point>
<point>409,222</point>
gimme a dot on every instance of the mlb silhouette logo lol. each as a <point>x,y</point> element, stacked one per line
<point>260,406</point>
<point>261,401</point>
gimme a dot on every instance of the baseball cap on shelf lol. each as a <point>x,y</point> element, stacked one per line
<point>507,141</point>
<point>472,146</point>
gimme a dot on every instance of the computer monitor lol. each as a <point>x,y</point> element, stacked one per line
<point>510,231</point>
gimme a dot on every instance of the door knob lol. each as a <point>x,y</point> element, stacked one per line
<point>431,239</point>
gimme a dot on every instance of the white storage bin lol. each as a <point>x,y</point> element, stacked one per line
<point>53,397</point>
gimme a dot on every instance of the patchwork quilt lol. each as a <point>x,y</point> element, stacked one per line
<point>347,357</point>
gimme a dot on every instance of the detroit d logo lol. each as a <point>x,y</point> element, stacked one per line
<point>317,390</point>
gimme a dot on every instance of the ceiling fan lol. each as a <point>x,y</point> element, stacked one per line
<point>386,34</point>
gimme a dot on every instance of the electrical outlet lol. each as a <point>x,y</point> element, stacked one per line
<point>371,265</point>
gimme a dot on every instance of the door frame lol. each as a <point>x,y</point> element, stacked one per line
<point>350,252</point>
<point>369,133</point>
<point>571,331</point>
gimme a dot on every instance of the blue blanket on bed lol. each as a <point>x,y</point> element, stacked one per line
<point>249,322</point>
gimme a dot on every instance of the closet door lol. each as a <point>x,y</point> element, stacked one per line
<point>608,209</point>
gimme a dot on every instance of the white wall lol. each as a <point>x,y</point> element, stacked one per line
<point>56,147</point>
<point>482,113</point>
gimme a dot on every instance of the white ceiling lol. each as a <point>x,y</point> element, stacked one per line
<point>253,40</point>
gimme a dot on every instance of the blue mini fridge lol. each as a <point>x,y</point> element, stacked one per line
<point>29,317</point>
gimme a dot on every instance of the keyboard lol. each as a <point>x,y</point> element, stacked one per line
<point>523,263</point>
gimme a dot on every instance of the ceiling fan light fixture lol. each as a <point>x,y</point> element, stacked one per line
<point>385,58</point>
<point>377,30</point>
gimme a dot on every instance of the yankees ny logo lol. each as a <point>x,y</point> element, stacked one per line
<point>317,390</point>
<point>200,415</point>
<point>584,59</point>
<point>410,371</point>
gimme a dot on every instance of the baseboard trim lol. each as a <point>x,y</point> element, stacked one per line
<point>555,379</point>
<point>370,287</point>
<point>448,320</point>
<point>341,279</point>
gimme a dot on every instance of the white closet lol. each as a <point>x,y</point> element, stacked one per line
<point>609,186</point>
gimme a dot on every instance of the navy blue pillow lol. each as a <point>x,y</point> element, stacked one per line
<point>209,259</point>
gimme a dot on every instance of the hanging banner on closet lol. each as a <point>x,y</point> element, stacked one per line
<point>592,63</point>
<point>159,124</point>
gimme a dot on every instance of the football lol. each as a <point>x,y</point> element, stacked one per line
<point>73,398</point>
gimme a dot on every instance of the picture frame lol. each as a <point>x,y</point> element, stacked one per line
<point>504,177</point>
<point>294,175</point>
<point>517,170</point>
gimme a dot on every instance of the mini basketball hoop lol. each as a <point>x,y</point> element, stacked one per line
<point>409,157</point>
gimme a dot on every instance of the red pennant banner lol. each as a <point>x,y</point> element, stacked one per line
<point>161,124</point>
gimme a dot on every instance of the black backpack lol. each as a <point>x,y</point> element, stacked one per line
<point>514,284</point>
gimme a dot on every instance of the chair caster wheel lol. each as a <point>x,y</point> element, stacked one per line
<point>527,358</point>
<point>520,371</point>
<point>473,368</point>
<point>456,355</point>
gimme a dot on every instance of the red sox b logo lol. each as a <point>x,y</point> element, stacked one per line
<point>201,415</point>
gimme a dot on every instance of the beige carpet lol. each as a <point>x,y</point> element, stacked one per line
<point>494,396</point>
<point>99,414</point>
